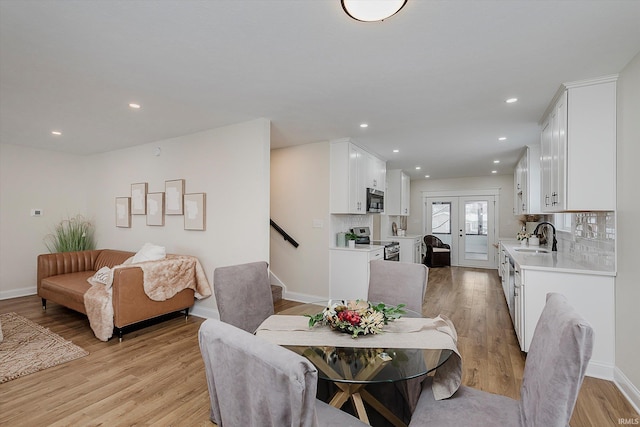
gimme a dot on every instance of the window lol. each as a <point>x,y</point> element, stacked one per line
<point>441,218</point>
<point>475,214</point>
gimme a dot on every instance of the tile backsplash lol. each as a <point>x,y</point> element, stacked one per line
<point>592,238</point>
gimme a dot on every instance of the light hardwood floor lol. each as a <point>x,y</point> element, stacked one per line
<point>155,377</point>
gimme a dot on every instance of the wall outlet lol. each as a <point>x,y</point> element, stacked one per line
<point>318,223</point>
<point>36,212</point>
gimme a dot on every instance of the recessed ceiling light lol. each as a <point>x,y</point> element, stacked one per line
<point>502,138</point>
<point>418,168</point>
<point>364,125</point>
<point>496,161</point>
<point>56,132</point>
<point>427,176</point>
<point>135,106</point>
<point>511,100</point>
<point>494,171</point>
<point>396,151</point>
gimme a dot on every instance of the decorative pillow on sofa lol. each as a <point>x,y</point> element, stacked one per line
<point>104,276</point>
<point>150,252</point>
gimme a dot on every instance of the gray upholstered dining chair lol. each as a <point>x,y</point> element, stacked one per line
<point>260,383</point>
<point>243,294</point>
<point>560,351</point>
<point>396,283</point>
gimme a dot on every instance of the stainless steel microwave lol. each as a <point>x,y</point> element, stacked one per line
<point>375,200</point>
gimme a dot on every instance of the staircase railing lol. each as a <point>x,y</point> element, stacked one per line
<point>284,234</point>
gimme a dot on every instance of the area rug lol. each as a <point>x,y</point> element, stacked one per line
<point>28,347</point>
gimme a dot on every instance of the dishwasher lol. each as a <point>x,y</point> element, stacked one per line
<point>511,283</point>
<point>518,309</point>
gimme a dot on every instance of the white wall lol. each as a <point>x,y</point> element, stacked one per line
<point>509,224</point>
<point>31,178</point>
<point>300,195</point>
<point>628,215</point>
<point>229,164</point>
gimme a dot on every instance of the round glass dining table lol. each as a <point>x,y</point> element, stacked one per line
<point>360,365</point>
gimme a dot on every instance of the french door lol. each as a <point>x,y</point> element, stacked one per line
<point>467,224</point>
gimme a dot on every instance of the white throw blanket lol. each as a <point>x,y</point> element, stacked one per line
<point>162,280</point>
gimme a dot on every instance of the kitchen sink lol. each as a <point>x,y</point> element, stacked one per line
<point>532,251</point>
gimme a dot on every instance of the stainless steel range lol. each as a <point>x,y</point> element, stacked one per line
<point>391,249</point>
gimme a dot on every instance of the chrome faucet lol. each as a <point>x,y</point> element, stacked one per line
<point>554,246</point>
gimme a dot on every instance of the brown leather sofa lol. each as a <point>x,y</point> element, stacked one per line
<point>62,278</point>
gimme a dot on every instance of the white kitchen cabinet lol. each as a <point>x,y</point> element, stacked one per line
<point>352,171</point>
<point>578,148</point>
<point>589,290</point>
<point>349,272</point>
<point>526,179</point>
<point>591,295</point>
<point>397,198</point>
<point>410,248</point>
<point>377,171</point>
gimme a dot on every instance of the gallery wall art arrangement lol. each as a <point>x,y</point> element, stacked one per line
<point>173,201</point>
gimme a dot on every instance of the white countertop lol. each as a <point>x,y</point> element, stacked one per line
<point>408,236</point>
<point>360,248</point>
<point>556,261</point>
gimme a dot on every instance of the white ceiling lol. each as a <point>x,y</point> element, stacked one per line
<point>431,81</point>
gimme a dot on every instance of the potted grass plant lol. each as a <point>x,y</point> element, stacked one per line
<point>70,235</point>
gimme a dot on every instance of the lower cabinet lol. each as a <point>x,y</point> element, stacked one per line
<point>349,272</point>
<point>410,248</point>
<point>591,295</point>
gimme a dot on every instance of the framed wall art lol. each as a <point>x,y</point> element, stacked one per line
<point>155,209</point>
<point>194,211</point>
<point>139,198</point>
<point>123,212</point>
<point>174,192</point>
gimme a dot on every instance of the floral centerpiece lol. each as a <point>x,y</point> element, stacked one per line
<point>357,317</point>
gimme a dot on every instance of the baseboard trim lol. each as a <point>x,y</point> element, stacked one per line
<point>295,296</point>
<point>16,293</point>
<point>601,370</point>
<point>204,312</point>
<point>627,388</point>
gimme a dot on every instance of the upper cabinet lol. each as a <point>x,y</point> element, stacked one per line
<point>353,170</point>
<point>376,177</point>
<point>526,182</point>
<point>397,198</point>
<point>578,148</point>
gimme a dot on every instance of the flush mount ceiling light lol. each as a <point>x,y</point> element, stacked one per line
<point>364,125</point>
<point>502,138</point>
<point>511,100</point>
<point>372,10</point>
<point>134,106</point>
<point>56,132</point>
